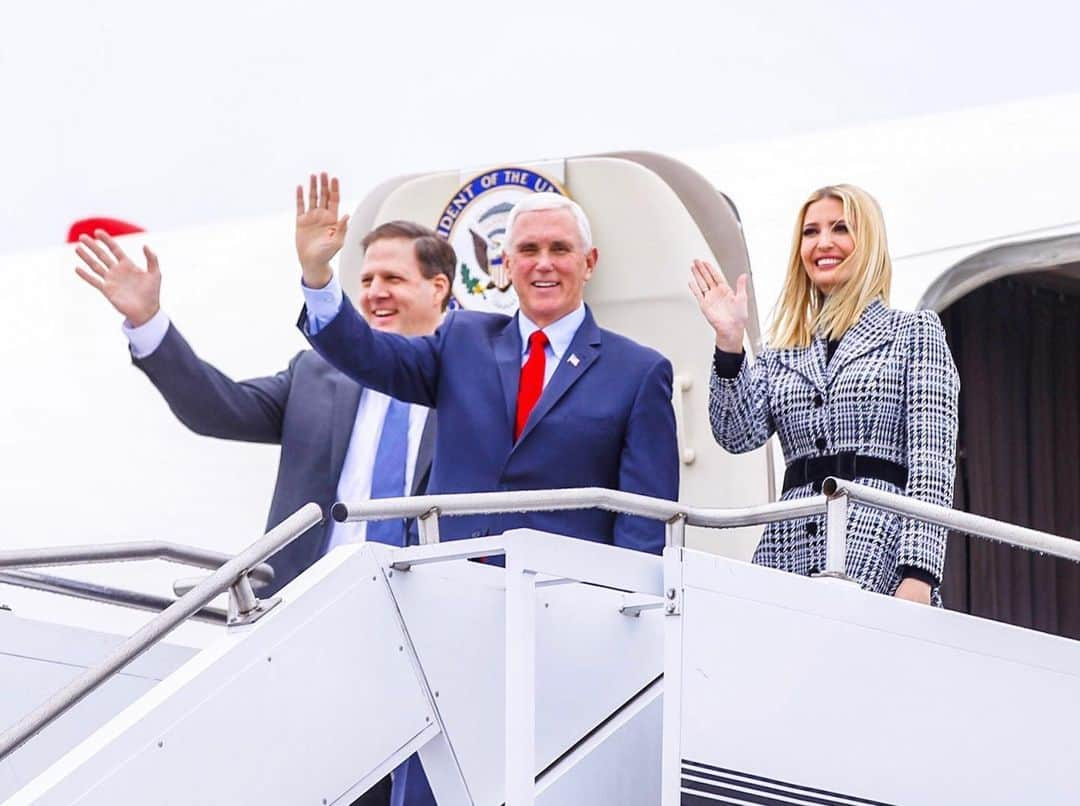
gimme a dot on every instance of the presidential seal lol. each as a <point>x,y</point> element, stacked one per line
<point>474,224</point>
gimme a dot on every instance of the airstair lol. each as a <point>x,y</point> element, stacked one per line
<point>571,673</point>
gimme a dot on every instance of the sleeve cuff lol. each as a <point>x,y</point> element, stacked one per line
<point>323,304</point>
<point>913,572</point>
<point>727,365</point>
<point>147,337</point>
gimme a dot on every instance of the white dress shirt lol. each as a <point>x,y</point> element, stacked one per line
<point>560,333</point>
<point>354,484</point>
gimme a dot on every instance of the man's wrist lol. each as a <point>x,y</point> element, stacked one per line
<point>140,318</point>
<point>317,277</point>
<point>144,339</point>
<point>322,304</point>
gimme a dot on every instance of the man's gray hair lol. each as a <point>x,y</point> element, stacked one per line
<point>549,201</point>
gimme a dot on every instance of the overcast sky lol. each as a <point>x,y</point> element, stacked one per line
<point>179,114</point>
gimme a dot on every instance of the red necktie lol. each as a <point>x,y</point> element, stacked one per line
<point>532,381</point>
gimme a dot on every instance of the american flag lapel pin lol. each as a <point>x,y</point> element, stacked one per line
<point>574,360</point>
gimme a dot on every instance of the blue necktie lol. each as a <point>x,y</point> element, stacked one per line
<point>388,473</point>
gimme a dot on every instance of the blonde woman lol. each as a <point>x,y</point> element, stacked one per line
<point>852,388</point>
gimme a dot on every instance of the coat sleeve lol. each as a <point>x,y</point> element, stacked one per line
<point>933,388</point>
<point>739,409</point>
<point>649,461</point>
<point>212,404</point>
<point>399,366</point>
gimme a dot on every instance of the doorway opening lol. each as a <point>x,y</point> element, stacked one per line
<point>1016,342</point>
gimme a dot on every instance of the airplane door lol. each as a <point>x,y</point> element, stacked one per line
<point>650,216</point>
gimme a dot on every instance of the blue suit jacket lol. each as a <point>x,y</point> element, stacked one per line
<point>605,422</point>
<point>309,408</point>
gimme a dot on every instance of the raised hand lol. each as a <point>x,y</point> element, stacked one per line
<point>132,290</point>
<point>726,310</point>
<point>320,234</point>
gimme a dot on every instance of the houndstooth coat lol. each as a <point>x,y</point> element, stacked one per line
<point>890,391</point>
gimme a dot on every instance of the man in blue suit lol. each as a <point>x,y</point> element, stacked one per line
<point>543,399</point>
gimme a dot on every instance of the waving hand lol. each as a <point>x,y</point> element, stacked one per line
<point>133,291</point>
<point>320,234</point>
<point>726,310</point>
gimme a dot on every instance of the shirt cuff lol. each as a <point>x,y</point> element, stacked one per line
<point>913,572</point>
<point>727,365</point>
<point>147,337</point>
<point>323,304</point>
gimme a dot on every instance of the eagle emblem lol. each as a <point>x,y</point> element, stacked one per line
<point>474,224</point>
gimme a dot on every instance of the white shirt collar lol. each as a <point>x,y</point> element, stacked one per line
<point>560,332</point>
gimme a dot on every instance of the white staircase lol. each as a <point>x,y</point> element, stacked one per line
<point>579,674</point>
<point>360,665</point>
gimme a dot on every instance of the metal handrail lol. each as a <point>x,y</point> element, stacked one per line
<point>215,584</point>
<point>429,508</point>
<point>977,525</point>
<point>670,511</point>
<point>122,552</point>
<point>78,589</point>
<point>575,498</point>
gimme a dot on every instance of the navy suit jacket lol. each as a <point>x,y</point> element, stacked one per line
<point>604,420</point>
<point>309,408</point>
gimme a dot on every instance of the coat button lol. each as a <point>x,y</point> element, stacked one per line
<point>819,401</point>
<point>811,529</point>
<point>820,443</point>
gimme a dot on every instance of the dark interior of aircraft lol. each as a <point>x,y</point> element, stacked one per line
<point>1016,342</point>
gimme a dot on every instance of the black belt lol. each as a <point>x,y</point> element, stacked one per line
<point>847,465</point>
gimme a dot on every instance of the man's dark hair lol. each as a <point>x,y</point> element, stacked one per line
<point>434,255</point>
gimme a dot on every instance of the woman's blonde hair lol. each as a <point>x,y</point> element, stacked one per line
<point>802,310</point>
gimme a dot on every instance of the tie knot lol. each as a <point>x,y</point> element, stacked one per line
<point>538,339</point>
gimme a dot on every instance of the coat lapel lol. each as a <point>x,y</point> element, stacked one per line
<point>809,362</point>
<point>507,347</point>
<point>873,330</point>
<point>424,454</point>
<point>584,349</point>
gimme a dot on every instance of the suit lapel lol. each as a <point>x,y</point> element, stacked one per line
<point>809,362</point>
<point>507,347</point>
<point>584,350</point>
<point>424,454</point>
<point>342,419</point>
<point>873,330</point>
